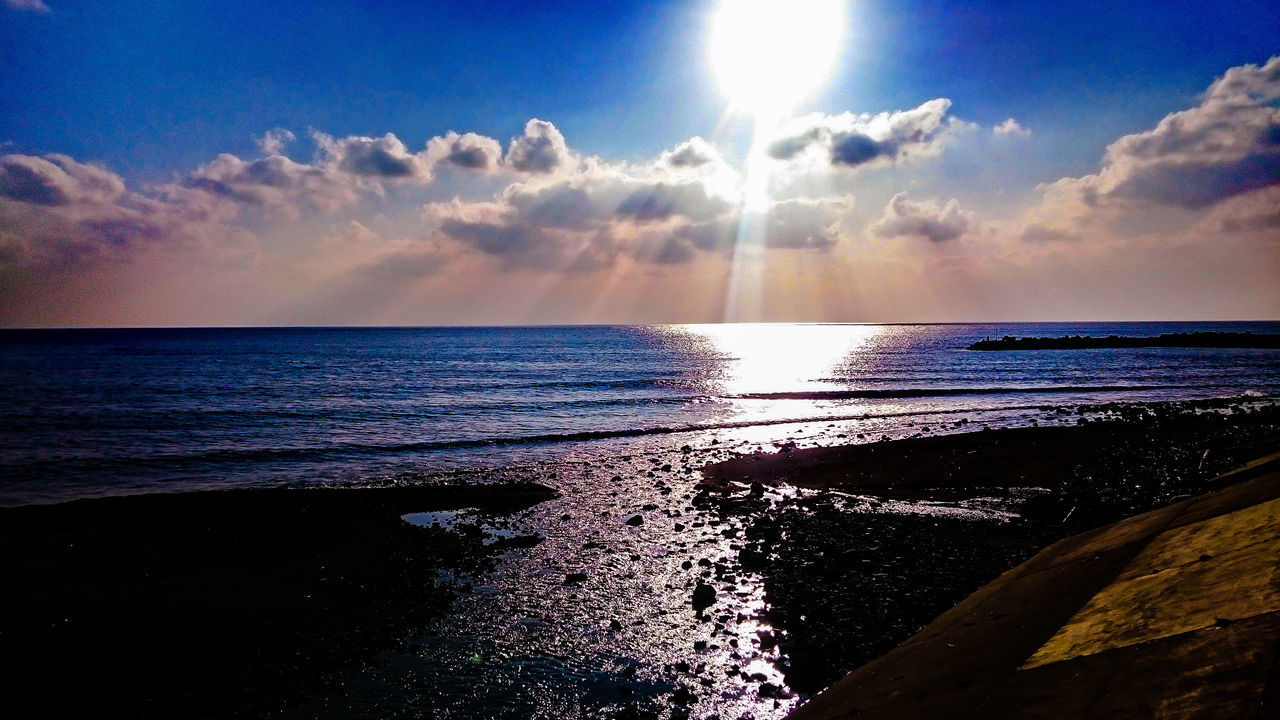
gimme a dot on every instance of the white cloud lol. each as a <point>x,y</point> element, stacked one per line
<point>36,6</point>
<point>1227,145</point>
<point>272,142</point>
<point>541,149</point>
<point>1011,128</point>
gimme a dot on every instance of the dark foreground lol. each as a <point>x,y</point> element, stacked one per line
<point>848,578</point>
<point>1172,614</point>
<point>243,603</point>
<point>224,603</point>
<point>1239,340</point>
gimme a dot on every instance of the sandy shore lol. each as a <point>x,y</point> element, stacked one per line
<point>222,603</point>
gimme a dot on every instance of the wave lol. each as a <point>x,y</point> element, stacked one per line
<point>315,453</point>
<point>945,392</point>
<point>326,452</point>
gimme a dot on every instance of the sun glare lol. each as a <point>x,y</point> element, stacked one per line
<point>768,55</point>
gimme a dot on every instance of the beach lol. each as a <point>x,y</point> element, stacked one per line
<point>285,601</point>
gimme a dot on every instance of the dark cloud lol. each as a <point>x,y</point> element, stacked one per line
<point>384,157</point>
<point>567,204</point>
<point>661,201</point>
<point>805,224</point>
<point>855,140</point>
<point>275,182</point>
<point>56,180</point>
<point>541,149</point>
<point>68,214</point>
<point>469,150</point>
<point>903,216</point>
<point>515,238</point>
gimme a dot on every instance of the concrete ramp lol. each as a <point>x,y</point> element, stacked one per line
<point>1171,614</point>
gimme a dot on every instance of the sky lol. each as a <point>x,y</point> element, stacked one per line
<point>396,163</point>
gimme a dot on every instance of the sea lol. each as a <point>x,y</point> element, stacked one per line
<point>99,412</point>
<point>594,412</point>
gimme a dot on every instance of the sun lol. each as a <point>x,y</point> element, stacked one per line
<point>770,54</point>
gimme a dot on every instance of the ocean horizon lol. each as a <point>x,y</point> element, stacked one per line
<point>91,412</point>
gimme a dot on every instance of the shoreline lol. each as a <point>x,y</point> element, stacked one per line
<point>847,578</point>
<point>247,601</point>
<point>226,602</point>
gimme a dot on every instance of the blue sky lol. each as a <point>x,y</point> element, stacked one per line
<point>154,92</point>
<point>150,88</point>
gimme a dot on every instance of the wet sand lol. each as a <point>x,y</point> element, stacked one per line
<point>223,603</point>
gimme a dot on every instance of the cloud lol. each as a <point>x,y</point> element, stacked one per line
<point>1226,146</point>
<point>652,202</point>
<point>1037,233</point>
<point>64,213</point>
<point>851,141</point>
<point>56,180</point>
<point>1011,128</point>
<point>1255,212</point>
<point>272,142</point>
<point>692,153</point>
<point>663,212</point>
<point>276,183</point>
<point>470,151</point>
<point>806,223</point>
<point>385,157</point>
<point>902,216</point>
<point>541,149</point>
<point>36,6</point>
<point>404,265</point>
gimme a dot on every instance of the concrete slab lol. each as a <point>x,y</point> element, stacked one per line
<point>1201,540</point>
<point>1217,672</point>
<point>1236,585</point>
<point>1171,614</point>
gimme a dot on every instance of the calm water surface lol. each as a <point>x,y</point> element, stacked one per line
<point>596,412</point>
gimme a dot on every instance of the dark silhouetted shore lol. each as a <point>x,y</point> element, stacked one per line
<point>1242,340</point>
<point>228,603</point>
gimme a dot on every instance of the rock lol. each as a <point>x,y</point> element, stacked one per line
<point>771,691</point>
<point>574,578</point>
<point>703,595</point>
<point>614,625</point>
<point>635,520</point>
<point>686,565</point>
